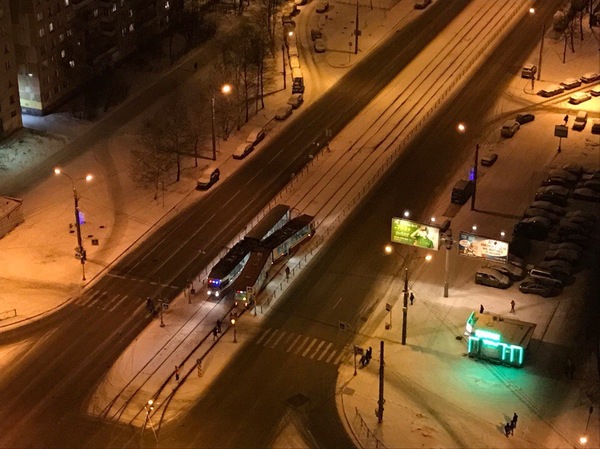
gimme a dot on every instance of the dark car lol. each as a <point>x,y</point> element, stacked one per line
<point>558,181</point>
<point>524,118</point>
<point>555,194</point>
<point>535,228</point>
<point>534,212</point>
<point>511,271</point>
<point>536,288</point>
<point>559,269</point>
<point>578,239</point>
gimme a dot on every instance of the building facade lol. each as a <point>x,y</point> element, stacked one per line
<point>10,110</point>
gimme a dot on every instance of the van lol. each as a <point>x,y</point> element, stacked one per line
<point>545,277</point>
<point>297,81</point>
<point>462,191</point>
<point>580,120</point>
<point>528,71</point>
<point>294,62</point>
<point>255,136</point>
<point>208,177</point>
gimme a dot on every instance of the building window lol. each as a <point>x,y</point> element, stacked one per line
<point>131,28</point>
<point>122,3</point>
<point>67,2</point>
<point>131,13</point>
<point>7,65</point>
<point>123,32</point>
<point>49,78</point>
<point>167,6</point>
<point>6,49</point>
<point>69,32</point>
<point>72,63</point>
<point>62,53</point>
<point>114,8</point>
<point>13,114</point>
<point>96,12</point>
<point>56,89</point>
<point>61,37</point>
<point>42,50</point>
<point>39,16</point>
<point>51,27</point>
<point>41,32</point>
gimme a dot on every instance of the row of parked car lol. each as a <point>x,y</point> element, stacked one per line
<point>530,70</point>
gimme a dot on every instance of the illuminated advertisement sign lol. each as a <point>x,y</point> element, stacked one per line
<point>476,246</point>
<point>415,234</point>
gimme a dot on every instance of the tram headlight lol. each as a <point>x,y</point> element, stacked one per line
<point>217,294</point>
<point>209,292</point>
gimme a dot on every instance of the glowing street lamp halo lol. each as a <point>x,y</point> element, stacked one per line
<point>388,249</point>
<point>57,171</point>
<point>583,439</point>
<point>406,214</point>
<point>531,10</point>
<point>461,127</point>
<point>226,88</point>
<point>428,257</point>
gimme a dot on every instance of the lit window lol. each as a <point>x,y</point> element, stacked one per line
<point>39,16</point>
<point>51,27</point>
<point>41,32</point>
<point>72,63</point>
<point>67,2</point>
<point>131,13</point>
<point>123,32</point>
<point>167,5</point>
<point>61,37</point>
<point>62,53</point>
<point>131,27</point>
<point>95,12</point>
<point>114,8</point>
<point>30,75</point>
<point>69,32</point>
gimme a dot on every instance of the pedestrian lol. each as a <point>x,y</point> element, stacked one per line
<point>287,273</point>
<point>218,326</point>
<point>566,119</point>
<point>512,428</point>
<point>195,66</point>
<point>514,420</point>
<point>480,308</point>
<point>412,298</point>
<point>176,373</point>
<point>215,333</point>
<point>507,429</point>
<point>512,306</point>
<point>363,358</point>
<point>369,354</point>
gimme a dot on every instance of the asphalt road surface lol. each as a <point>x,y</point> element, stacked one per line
<point>43,393</point>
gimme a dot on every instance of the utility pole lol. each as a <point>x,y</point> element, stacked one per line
<point>404,309</point>
<point>356,31</point>
<point>475,176</point>
<point>448,242</point>
<point>283,59</point>
<point>381,401</point>
<point>539,72</point>
<point>214,136</point>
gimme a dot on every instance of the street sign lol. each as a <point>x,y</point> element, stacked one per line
<point>388,307</point>
<point>561,131</point>
<point>342,325</point>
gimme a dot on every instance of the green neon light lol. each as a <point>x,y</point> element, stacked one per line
<point>481,333</point>
<point>472,341</point>
<point>520,352</point>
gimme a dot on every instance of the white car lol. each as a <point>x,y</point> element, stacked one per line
<point>595,91</point>
<point>299,2</point>
<point>322,7</point>
<point>579,97</point>
<point>319,45</point>
<point>552,90</point>
<point>570,83</point>
<point>509,128</point>
<point>243,150</point>
<point>283,112</point>
<point>590,77</point>
<point>295,101</point>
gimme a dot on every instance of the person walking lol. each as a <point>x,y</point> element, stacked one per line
<point>480,308</point>
<point>412,298</point>
<point>369,354</point>
<point>512,306</point>
<point>215,333</point>
<point>176,373</point>
<point>287,273</point>
<point>218,326</point>
<point>514,420</point>
<point>507,429</point>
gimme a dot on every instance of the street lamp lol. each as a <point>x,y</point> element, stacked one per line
<point>539,68</point>
<point>79,250</point>
<point>232,318</point>
<point>388,250</point>
<point>225,89</point>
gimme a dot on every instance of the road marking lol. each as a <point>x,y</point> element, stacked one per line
<point>139,309</point>
<point>86,298</point>
<point>272,335</point>
<point>338,358</point>
<point>317,350</point>
<point>312,343</point>
<point>293,343</point>
<point>278,339</point>
<point>265,333</point>
<point>288,338</point>
<point>229,200</point>
<point>117,303</point>
<point>338,301</point>
<point>98,299</point>
<point>324,351</point>
<point>301,344</point>
<point>109,303</point>
<point>330,356</point>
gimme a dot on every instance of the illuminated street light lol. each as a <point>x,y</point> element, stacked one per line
<point>461,127</point>
<point>433,219</point>
<point>80,252</point>
<point>474,227</point>
<point>502,233</point>
<point>406,214</point>
<point>232,317</point>
<point>583,440</point>
<point>225,89</point>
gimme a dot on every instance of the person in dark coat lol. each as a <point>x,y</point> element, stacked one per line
<point>412,298</point>
<point>507,429</point>
<point>480,308</point>
<point>514,421</point>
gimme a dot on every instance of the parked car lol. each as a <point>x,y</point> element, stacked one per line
<point>593,184</point>
<point>319,45</point>
<point>208,177</point>
<point>578,239</point>
<point>590,77</point>
<point>559,269</point>
<point>587,194</point>
<point>535,288</point>
<point>255,136</point>
<point>579,97</point>
<point>316,34</point>
<point>422,4</point>
<point>596,127</point>
<point>555,194</point>
<point>571,257</point>
<point>595,91</point>
<point>590,216</point>
<point>585,223</point>
<point>528,71</point>
<point>572,228</point>
<point>551,91</point>
<point>562,173</point>
<point>595,174</point>
<point>534,212</point>
<point>283,112</point>
<point>243,150</point>
<point>511,271</point>
<point>548,206</point>
<point>570,83</point>
<point>558,181</point>
<point>492,278</point>
<point>580,120</point>
<point>535,228</point>
<point>574,169</point>
<point>489,160</point>
<point>509,128</point>
<point>566,245</point>
<point>295,101</point>
<point>521,119</point>
<point>544,277</point>
<point>322,7</point>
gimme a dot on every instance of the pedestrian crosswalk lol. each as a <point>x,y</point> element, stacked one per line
<point>304,346</point>
<point>108,302</point>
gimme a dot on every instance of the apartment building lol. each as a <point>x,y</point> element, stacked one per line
<point>10,110</point>
<point>61,44</point>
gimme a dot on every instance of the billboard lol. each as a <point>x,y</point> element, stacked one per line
<point>415,234</point>
<point>476,246</point>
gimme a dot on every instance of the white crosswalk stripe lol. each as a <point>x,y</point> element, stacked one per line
<point>316,351</point>
<point>87,298</point>
<point>330,356</point>
<point>293,343</point>
<point>271,337</point>
<point>107,304</point>
<point>278,339</point>
<point>312,343</point>
<point>122,300</point>
<point>325,351</point>
<point>302,345</point>
<point>265,333</point>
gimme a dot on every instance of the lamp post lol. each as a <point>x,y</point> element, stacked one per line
<point>584,439</point>
<point>79,250</point>
<point>149,406</point>
<point>539,69</point>
<point>225,89</point>
<point>232,319</point>
<point>389,250</point>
